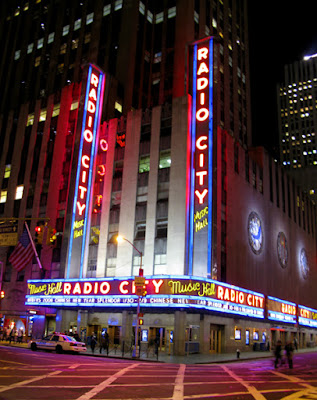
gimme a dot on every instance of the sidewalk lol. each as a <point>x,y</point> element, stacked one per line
<point>187,359</point>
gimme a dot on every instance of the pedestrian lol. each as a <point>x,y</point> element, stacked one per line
<point>278,353</point>
<point>289,354</point>
<point>11,335</point>
<point>295,344</point>
<point>20,335</point>
<point>93,342</point>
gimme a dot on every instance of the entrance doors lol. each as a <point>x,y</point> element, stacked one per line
<point>215,338</point>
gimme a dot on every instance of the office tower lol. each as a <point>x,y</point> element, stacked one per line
<point>297,122</point>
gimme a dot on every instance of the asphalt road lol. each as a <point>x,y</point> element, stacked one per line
<point>48,376</point>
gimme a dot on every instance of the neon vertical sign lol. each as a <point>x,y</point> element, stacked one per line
<point>199,235</point>
<point>82,203</point>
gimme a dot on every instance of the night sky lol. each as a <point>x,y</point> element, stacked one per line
<point>280,32</point>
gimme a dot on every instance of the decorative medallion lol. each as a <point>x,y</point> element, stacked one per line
<point>282,249</point>
<point>304,267</point>
<point>255,233</point>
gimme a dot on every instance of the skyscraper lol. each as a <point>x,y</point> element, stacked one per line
<point>297,122</point>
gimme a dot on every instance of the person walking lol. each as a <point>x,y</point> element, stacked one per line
<point>289,354</point>
<point>93,342</point>
<point>278,353</point>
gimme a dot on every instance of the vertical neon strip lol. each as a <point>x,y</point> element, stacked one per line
<point>78,176</point>
<point>210,158</point>
<point>192,169</point>
<point>91,170</point>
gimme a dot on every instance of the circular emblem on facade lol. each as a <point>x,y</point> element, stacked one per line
<point>255,233</point>
<point>304,267</point>
<point>282,250</point>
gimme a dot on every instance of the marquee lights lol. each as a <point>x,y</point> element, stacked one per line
<point>173,291</point>
<point>199,207</point>
<point>281,310</point>
<point>85,169</point>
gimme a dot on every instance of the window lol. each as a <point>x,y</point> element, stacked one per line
<point>237,334</point>
<point>19,192</point>
<point>65,30</point>
<point>106,10</point>
<point>117,5</point>
<point>144,164</point>
<point>30,48</point>
<point>159,17</point>
<point>40,43</point>
<point>165,159</point>
<point>17,54</point>
<point>118,107</point>
<point>7,171</point>
<point>171,12</point>
<point>3,196</point>
<point>89,18</point>
<point>50,38</point>
<point>37,61</point>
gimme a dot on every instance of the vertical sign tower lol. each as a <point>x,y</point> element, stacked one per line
<point>88,128</point>
<point>199,183</point>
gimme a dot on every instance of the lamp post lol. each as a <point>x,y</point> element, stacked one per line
<point>135,353</point>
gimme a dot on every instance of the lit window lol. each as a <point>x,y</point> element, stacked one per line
<point>65,30</point>
<point>17,12</point>
<point>74,105</point>
<point>40,43</point>
<point>26,6</point>
<point>50,38</point>
<point>118,107</point>
<point>17,54</point>
<point>63,48</point>
<point>30,48</point>
<point>144,164</point>
<point>30,120</point>
<point>142,8</point>
<point>87,37</point>
<point>106,10</point>
<point>214,23</point>
<point>19,192</point>
<point>3,196</point>
<point>43,115</point>
<point>77,24</point>
<point>196,17</point>
<point>312,191</point>
<point>89,18</point>
<point>117,5</point>
<point>75,43</point>
<point>56,110</point>
<point>165,159</point>
<point>159,17</point>
<point>171,12</point>
<point>7,171</point>
<point>149,16</point>
<point>37,61</point>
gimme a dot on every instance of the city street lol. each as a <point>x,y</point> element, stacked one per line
<point>46,376</point>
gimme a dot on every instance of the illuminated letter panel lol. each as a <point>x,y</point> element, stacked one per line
<point>81,210</point>
<point>199,207</point>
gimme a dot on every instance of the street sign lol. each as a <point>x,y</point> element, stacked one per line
<point>139,281</point>
<point>8,235</point>
<point>139,290</point>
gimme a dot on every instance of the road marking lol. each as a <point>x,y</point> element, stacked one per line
<point>22,383</point>
<point>302,394</point>
<point>251,389</point>
<point>293,379</point>
<point>178,393</point>
<point>97,389</point>
<point>74,366</point>
<point>12,362</point>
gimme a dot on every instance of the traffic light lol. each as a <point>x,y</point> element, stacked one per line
<point>51,236</point>
<point>39,230</point>
<point>144,291</point>
<point>2,294</point>
<point>141,321</point>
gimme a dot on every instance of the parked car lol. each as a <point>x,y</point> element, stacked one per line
<point>57,342</point>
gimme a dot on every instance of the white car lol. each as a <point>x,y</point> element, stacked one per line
<point>57,342</point>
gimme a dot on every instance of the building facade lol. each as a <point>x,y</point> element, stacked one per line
<point>159,152</point>
<point>297,122</point>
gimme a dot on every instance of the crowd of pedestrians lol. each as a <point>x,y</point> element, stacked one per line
<point>11,334</point>
<point>289,350</point>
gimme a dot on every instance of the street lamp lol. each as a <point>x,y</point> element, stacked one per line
<point>135,353</point>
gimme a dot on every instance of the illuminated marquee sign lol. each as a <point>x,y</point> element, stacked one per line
<point>162,291</point>
<point>82,203</point>
<point>307,316</point>
<point>281,310</point>
<point>199,184</point>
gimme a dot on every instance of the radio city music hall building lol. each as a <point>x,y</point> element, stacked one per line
<point>228,241</point>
